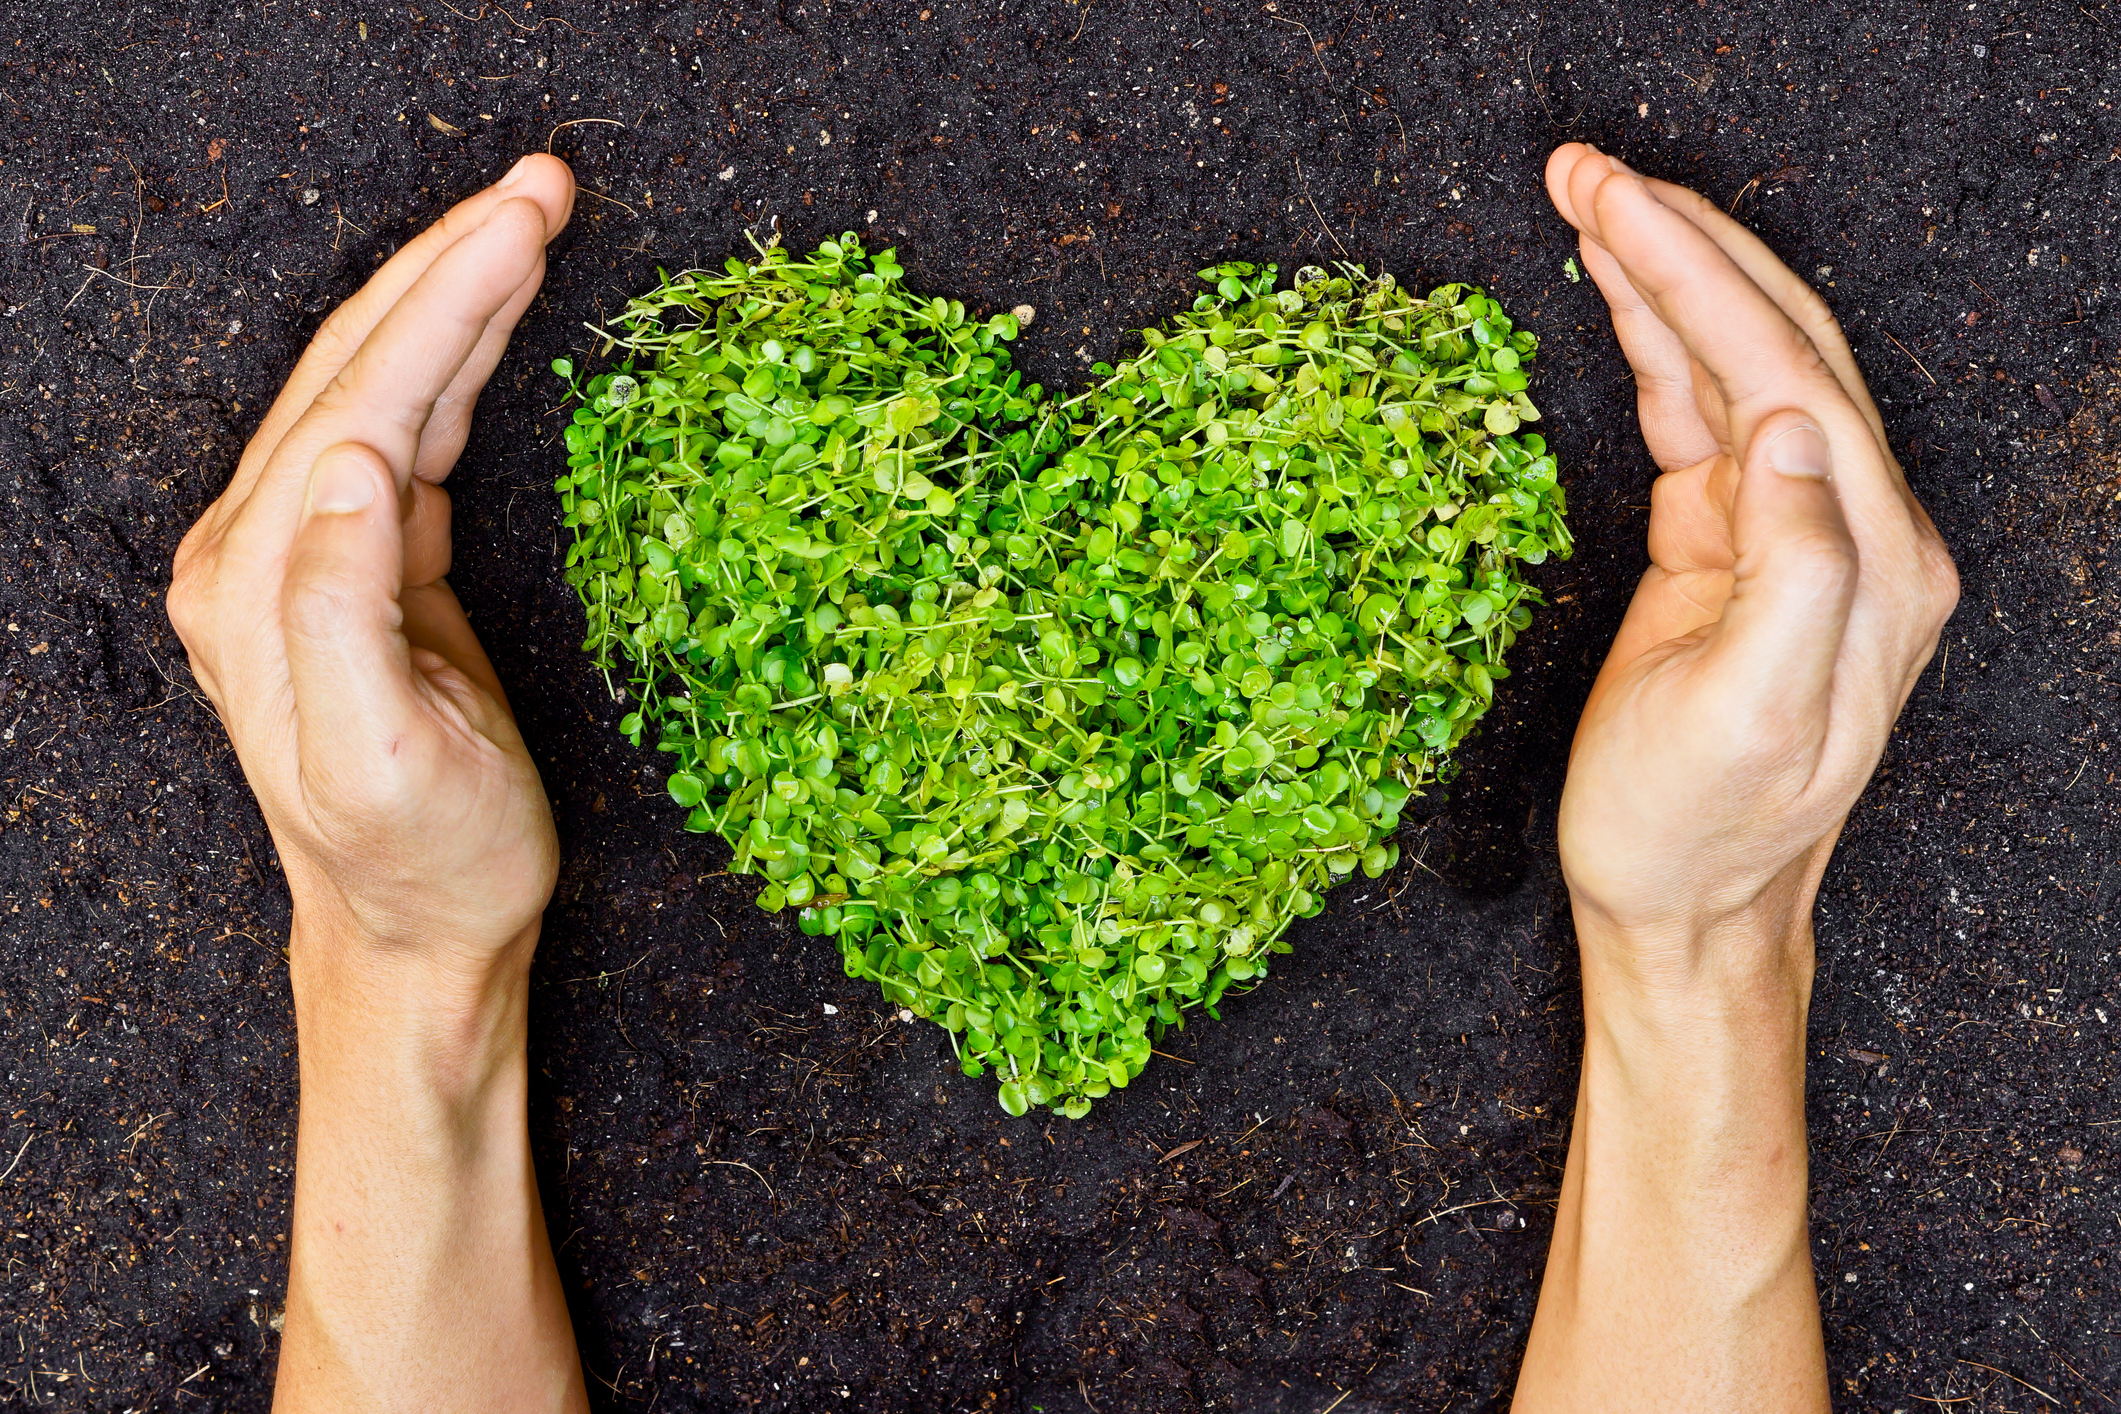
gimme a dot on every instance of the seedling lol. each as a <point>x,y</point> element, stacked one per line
<point>1053,715</point>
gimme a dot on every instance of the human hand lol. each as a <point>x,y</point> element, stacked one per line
<point>311,598</point>
<point>1796,590</point>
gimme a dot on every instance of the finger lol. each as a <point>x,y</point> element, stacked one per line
<point>386,392</point>
<point>435,624</point>
<point>1908,584</point>
<point>1676,427</point>
<point>1806,308</point>
<point>1690,517</point>
<point>1665,393</point>
<point>442,440</point>
<point>348,660</point>
<point>540,177</point>
<point>1746,343</point>
<point>1760,361</point>
<point>424,515</point>
<point>1562,161</point>
<point>1778,643</point>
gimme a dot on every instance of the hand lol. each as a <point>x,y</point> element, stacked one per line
<point>1795,590</point>
<point>312,601</point>
<point>417,841</point>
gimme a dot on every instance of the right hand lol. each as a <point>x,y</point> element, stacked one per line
<point>1786,613</point>
<point>311,599</point>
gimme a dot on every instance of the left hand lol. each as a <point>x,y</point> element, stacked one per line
<point>311,598</point>
<point>1795,590</point>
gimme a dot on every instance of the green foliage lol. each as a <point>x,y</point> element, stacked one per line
<point>1054,714</point>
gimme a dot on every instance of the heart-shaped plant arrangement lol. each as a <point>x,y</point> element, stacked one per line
<point>1053,714</point>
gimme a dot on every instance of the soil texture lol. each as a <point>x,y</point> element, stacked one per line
<point>767,1191</point>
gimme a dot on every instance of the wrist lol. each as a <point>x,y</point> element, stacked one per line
<point>436,1022</point>
<point>1743,970</point>
<point>1693,1070</point>
<point>1690,1116</point>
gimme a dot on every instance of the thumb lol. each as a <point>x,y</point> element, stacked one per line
<point>1794,580</point>
<point>347,657</point>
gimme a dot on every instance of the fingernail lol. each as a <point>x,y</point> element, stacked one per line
<point>515,174</point>
<point>1801,451</point>
<point>340,484</point>
<point>1620,166</point>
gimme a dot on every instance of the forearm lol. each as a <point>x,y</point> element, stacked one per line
<point>1680,1275</point>
<point>421,1276</point>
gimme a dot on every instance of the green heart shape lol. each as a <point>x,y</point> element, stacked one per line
<point>1054,714</point>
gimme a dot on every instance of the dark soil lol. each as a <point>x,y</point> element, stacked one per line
<point>769,1193</point>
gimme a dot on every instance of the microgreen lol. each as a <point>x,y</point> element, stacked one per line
<point>1054,714</point>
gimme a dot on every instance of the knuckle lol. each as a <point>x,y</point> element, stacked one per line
<point>187,600</point>
<point>1817,556</point>
<point>335,336</point>
<point>319,603</point>
<point>181,602</point>
<point>1940,582</point>
<point>1812,313</point>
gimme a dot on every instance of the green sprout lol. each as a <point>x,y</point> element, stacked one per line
<point>1053,715</point>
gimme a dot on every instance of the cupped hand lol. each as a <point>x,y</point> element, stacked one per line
<point>312,601</point>
<point>1795,591</point>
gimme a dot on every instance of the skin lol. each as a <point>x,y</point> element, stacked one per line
<point>416,838</point>
<point>1784,619</point>
<point>1746,701</point>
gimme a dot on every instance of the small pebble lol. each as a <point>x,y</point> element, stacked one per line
<point>1024,313</point>
<point>726,173</point>
<point>310,195</point>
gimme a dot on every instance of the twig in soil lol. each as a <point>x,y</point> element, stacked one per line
<point>139,209</point>
<point>1318,53</point>
<point>571,122</point>
<point>1904,349</point>
<point>602,977</point>
<point>134,1137</point>
<point>1314,208</point>
<point>1479,1203</point>
<point>2082,1380</point>
<point>18,1157</point>
<point>2009,1376</point>
<point>592,191</point>
<point>1085,8</point>
<point>224,201</point>
<point>739,1164</point>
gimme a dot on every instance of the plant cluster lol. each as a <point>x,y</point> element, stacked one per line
<point>1054,714</point>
